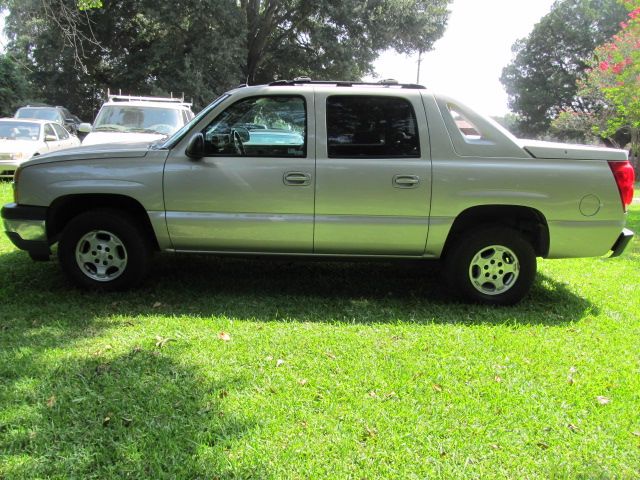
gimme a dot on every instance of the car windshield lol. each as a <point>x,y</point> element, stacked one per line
<point>39,113</point>
<point>19,131</point>
<point>137,119</point>
<point>175,138</point>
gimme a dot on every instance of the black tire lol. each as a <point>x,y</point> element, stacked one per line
<point>491,265</point>
<point>112,240</point>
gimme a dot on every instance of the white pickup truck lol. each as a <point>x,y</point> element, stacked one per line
<point>328,169</point>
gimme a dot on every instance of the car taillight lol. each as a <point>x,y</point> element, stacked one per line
<point>624,175</point>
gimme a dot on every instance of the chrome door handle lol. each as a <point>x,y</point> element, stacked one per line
<point>296,179</point>
<point>406,181</point>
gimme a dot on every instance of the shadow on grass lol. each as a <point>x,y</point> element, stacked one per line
<point>136,415</point>
<point>276,290</point>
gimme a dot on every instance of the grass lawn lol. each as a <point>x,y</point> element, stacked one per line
<point>323,371</point>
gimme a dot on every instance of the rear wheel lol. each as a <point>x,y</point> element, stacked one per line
<point>104,250</point>
<point>492,265</point>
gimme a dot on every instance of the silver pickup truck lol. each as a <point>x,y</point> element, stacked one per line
<point>331,169</point>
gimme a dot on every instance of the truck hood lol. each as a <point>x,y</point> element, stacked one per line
<point>95,138</point>
<point>554,150</point>
<point>128,150</point>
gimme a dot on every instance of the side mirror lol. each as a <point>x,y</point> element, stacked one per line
<point>84,127</point>
<point>195,147</point>
<point>50,138</point>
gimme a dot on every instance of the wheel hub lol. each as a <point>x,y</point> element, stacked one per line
<point>101,255</point>
<point>494,270</point>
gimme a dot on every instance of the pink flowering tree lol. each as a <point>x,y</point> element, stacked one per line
<point>614,78</point>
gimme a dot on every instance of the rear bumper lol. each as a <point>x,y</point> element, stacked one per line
<point>26,228</point>
<point>621,243</point>
<point>8,168</point>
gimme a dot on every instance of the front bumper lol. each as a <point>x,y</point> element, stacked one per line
<point>621,243</point>
<point>26,228</point>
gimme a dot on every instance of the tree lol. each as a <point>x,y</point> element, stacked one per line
<point>203,47</point>
<point>15,90</point>
<point>615,75</point>
<point>541,80</point>
<point>334,39</point>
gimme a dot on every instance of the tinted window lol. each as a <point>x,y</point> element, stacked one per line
<point>62,133</point>
<point>273,126</point>
<point>370,126</point>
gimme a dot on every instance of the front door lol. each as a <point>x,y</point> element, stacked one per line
<point>253,191</point>
<point>373,174</point>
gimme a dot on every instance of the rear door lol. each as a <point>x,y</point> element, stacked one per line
<point>64,138</point>
<point>373,173</point>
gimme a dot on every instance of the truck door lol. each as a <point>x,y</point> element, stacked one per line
<point>253,190</point>
<point>373,173</point>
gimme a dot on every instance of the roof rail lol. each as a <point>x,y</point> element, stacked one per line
<point>344,83</point>
<point>135,98</point>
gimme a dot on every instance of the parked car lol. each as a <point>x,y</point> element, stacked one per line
<point>131,119</point>
<point>332,170</point>
<point>21,140</point>
<point>55,114</point>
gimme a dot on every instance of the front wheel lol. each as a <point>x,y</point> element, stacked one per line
<point>104,250</point>
<point>493,265</point>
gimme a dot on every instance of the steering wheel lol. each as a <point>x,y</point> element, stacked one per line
<point>237,142</point>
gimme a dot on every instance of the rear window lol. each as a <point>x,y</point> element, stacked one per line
<point>39,113</point>
<point>371,126</point>
<point>19,131</point>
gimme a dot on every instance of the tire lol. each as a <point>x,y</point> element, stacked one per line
<point>104,250</point>
<point>491,265</point>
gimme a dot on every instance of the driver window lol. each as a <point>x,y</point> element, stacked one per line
<point>269,126</point>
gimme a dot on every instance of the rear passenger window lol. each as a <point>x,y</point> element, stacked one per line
<point>60,130</point>
<point>371,126</point>
<point>468,130</point>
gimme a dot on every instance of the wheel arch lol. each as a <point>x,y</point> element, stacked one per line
<point>65,208</point>
<point>526,220</point>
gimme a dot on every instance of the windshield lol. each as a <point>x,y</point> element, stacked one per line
<point>175,138</point>
<point>137,119</point>
<point>19,131</point>
<point>40,113</point>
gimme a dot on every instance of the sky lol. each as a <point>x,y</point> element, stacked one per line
<point>467,61</point>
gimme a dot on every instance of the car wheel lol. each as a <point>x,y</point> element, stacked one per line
<point>104,250</point>
<point>492,265</point>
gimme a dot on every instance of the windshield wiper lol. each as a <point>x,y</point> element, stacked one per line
<point>107,129</point>
<point>143,130</point>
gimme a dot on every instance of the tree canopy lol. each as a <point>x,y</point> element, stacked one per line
<point>203,47</point>
<point>614,77</point>
<point>541,80</point>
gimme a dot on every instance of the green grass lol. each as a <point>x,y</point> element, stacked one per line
<point>332,371</point>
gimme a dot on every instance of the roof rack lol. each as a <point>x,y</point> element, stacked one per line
<point>135,98</point>
<point>344,83</point>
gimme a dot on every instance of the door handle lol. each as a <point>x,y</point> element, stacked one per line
<point>406,181</point>
<point>296,179</point>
